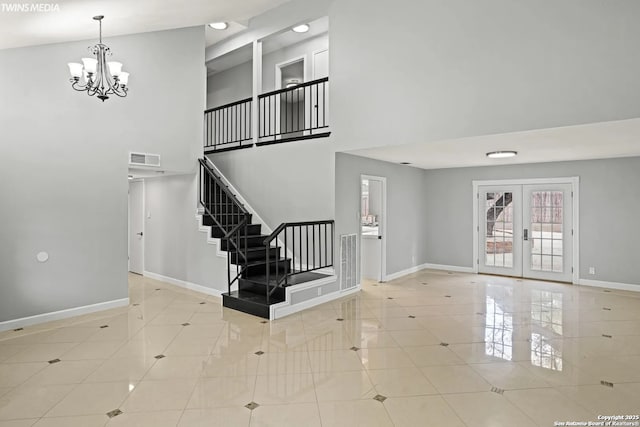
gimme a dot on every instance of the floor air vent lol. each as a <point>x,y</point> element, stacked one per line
<point>144,159</point>
<point>348,253</point>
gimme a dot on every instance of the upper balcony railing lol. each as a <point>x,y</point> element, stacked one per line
<point>228,126</point>
<point>297,112</point>
<point>289,114</point>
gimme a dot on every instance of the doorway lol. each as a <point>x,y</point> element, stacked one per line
<point>136,227</point>
<point>291,111</point>
<point>373,256</point>
<point>527,228</point>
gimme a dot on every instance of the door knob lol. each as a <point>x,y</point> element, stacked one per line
<point>139,234</point>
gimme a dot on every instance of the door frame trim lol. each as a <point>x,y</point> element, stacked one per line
<point>144,223</point>
<point>383,249</point>
<point>575,188</point>
<point>293,60</point>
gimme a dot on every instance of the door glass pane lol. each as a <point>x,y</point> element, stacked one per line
<point>499,229</point>
<point>546,231</point>
<point>370,207</point>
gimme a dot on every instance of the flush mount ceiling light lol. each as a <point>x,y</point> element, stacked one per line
<point>502,154</point>
<point>302,28</point>
<point>97,76</point>
<point>219,25</point>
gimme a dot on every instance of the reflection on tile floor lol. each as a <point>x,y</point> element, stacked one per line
<point>432,348</point>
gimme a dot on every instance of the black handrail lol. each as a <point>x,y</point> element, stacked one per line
<point>229,125</point>
<point>314,249</point>
<point>296,112</point>
<point>231,104</point>
<point>227,213</point>
<point>298,86</point>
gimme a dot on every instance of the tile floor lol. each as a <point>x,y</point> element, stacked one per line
<point>430,349</point>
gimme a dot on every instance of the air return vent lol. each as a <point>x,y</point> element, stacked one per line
<point>144,159</point>
<point>348,277</point>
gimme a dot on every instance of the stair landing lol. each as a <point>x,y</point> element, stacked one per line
<point>254,301</point>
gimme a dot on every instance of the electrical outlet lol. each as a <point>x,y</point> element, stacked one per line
<point>592,270</point>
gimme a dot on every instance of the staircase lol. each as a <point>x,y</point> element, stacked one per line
<point>260,267</point>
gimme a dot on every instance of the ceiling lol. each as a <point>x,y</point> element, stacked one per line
<point>590,141</point>
<point>73,20</point>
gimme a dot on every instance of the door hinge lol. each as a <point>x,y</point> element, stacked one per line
<point>572,194</point>
<point>572,231</point>
<point>478,195</point>
<point>477,228</point>
<point>478,261</point>
<point>572,269</point>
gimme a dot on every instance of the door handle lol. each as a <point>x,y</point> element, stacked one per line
<point>379,237</point>
<point>139,234</point>
<point>526,234</point>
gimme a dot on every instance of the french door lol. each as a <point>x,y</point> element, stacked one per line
<point>526,231</point>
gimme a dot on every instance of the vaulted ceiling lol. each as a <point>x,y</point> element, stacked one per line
<point>70,20</point>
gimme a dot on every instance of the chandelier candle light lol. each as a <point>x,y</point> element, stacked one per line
<point>97,76</point>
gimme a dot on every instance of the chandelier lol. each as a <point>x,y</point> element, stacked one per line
<point>97,76</point>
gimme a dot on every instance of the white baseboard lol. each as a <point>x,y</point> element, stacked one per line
<point>401,273</point>
<point>426,266</point>
<point>278,311</point>
<point>609,285</point>
<point>210,240</point>
<point>455,268</point>
<point>62,314</point>
<point>184,284</point>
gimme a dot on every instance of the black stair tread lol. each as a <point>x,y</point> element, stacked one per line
<point>271,261</point>
<point>259,298</point>
<point>259,248</point>
<point>253,236</point>
<point>295,279</point>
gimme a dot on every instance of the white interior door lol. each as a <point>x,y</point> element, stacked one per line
<point>136,227</point>
<point>547,235</point>
<point>320,64</point>
<point>500,225</point>
<point>319,111</point>
<point>372,228</point>
<point>526,231</point>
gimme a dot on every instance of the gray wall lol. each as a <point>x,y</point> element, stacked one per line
<point>63,163</point>
<point>609,206</point>
<point>230,85</point>
<point>406,226</point>
<point>174,246</point>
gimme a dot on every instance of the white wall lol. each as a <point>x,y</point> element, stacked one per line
<point>419,71</point>
<point>283,182</point>
<point>174,247</point>
<point>63,163</point>
<point>230,85</point>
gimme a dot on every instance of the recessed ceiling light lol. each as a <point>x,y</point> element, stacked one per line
<point>405,163</point>
<point>502,154</point>
<point>219,25</point>
<point>303,28</point>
